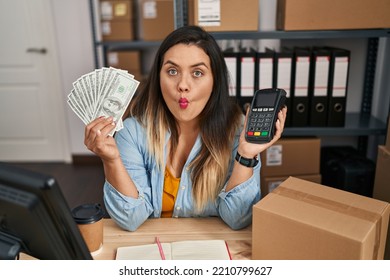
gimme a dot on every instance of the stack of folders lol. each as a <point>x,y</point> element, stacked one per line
<point>315,80</point>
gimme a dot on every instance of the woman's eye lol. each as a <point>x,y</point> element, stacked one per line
<point>172,72</point>
<point>198,74</point>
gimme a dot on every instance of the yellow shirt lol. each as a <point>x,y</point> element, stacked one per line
<point>171,186</point>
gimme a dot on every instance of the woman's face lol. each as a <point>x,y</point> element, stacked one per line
<point>186,81</point>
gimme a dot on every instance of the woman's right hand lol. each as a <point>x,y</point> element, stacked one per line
<point>97,140</point>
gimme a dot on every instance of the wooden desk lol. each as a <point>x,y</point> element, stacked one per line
<point>173,229</point>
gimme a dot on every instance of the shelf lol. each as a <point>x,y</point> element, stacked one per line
<point>254,35</point>
<point>126,45</point>
<point>355,125</point>
<point>321,34</point>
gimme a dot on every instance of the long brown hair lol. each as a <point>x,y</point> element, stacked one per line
<point>219,119</point>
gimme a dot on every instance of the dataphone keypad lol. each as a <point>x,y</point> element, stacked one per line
<point>260,122</point>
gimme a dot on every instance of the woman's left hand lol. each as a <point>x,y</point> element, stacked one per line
<point>251,150</point>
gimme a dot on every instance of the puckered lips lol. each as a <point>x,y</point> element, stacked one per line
<point>183,103</point>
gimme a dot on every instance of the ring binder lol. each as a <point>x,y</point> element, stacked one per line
<point>246,80</point>
<point>300,87</point>
<point>283,79</point>
<point>319,83</point>
<point>338,85</point>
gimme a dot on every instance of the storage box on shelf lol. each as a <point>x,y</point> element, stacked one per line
<point>269,183</point>
<point>126,60</point>
<point>157,19</point>
<point>226,15</point>
<point>332,14</point>
<point>289,157</point>
<point>116,9</point>
<point>117,20</point>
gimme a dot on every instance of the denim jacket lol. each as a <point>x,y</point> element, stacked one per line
<point>234,206</point>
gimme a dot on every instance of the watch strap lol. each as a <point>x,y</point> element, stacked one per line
<point>248,162</point>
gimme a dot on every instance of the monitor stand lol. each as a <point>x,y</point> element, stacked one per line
<point>10,247</point>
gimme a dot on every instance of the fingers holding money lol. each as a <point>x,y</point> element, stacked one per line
<point>97,131</point>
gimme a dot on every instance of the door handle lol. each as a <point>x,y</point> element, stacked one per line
<point>37,50</point>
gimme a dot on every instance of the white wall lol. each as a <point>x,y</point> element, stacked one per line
<point>75,49</point>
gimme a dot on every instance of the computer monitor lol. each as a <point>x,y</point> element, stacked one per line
<point>35,218</point>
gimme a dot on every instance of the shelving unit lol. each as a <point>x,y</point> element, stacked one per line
<point>355,125</point>
<point>361,124</point>
<point>324,34</point>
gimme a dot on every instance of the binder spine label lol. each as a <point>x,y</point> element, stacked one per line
<point>231,63</point>
<point>302,76</point>
<point>247,76</point>
<point>340,77</point>
<point>266,66</point>
<point>284,74</point>
<point>321,76</point>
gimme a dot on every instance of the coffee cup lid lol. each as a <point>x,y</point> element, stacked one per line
<point>88,213</point>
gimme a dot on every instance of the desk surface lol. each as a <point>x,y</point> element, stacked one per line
<point>173,229</point>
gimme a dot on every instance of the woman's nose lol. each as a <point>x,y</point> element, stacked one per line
<point>184,84</point>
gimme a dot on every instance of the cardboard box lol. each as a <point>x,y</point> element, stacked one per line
<point>224,15</point>
<point>117,30</point>
<point>268,184</point>
<point>304,220</point>
<point>157,19</point>
<point>116,10</point>
<point>291,157</point>
<point>332,14</point>
<point>117,21</point>
<point>126,60</point>
<point>382,185</point>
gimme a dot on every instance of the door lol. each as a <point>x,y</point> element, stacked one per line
<point>32,114</point>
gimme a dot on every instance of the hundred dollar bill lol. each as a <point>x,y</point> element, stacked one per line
<point>78,99</point>
<point>98,78</point>
<point>103,92</point>
<point>82,100</point>
<point>77,111</point>
<point>116,97</point>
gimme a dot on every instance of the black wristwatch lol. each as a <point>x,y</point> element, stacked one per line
<point>248,162</point>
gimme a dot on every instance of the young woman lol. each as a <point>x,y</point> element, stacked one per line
<point>175,156</point>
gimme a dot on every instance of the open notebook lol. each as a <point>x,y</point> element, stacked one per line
<point>180,250</point>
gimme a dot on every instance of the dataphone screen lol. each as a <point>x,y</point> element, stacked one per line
<point>265,100</point>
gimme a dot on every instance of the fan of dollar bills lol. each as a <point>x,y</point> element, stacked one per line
<point>103,92</point>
